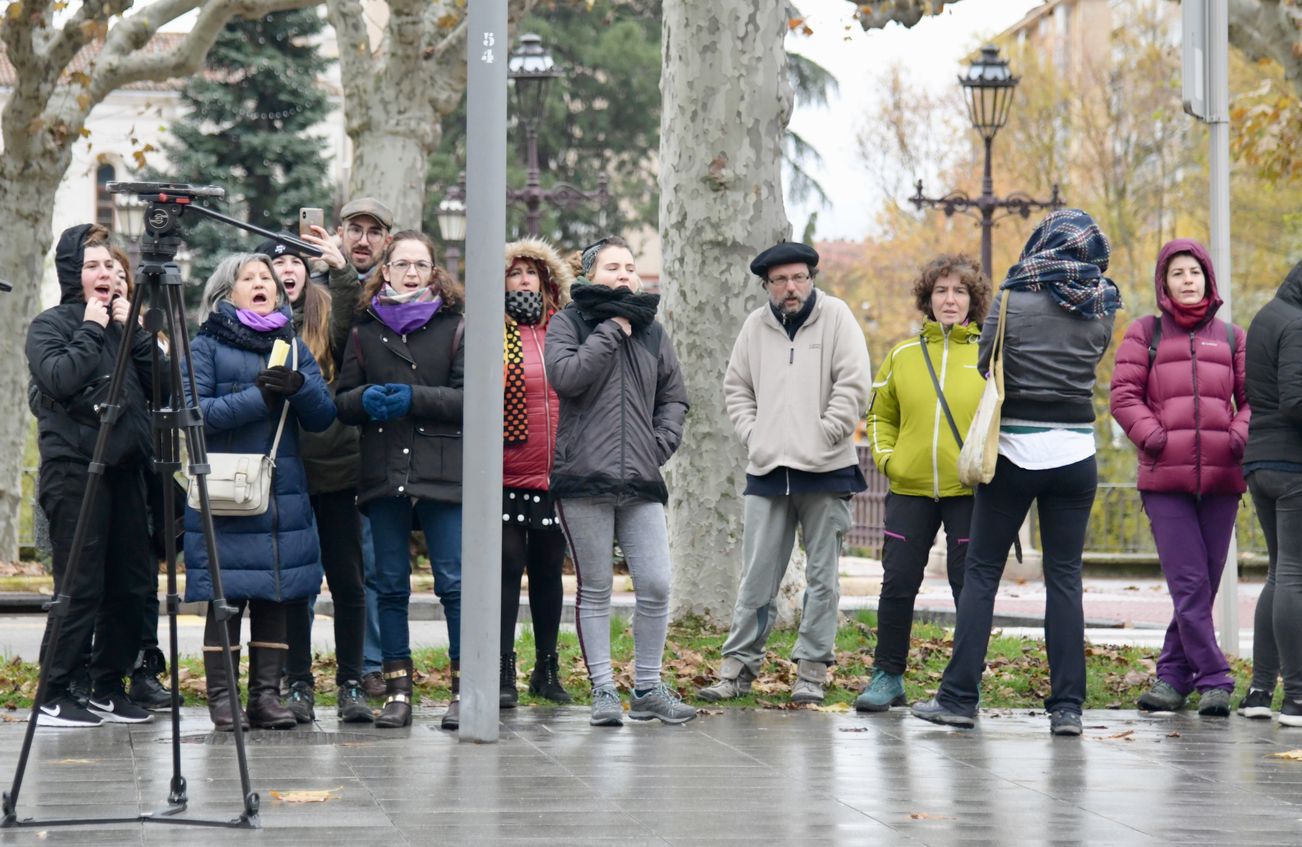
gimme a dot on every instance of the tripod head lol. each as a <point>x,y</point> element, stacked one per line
<point>167,202</point>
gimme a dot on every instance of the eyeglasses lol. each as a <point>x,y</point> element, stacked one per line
<point>401,266</point>
<point>369,233</point>
<point>798,279</point>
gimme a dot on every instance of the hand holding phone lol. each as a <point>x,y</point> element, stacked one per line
<point>308,218</point>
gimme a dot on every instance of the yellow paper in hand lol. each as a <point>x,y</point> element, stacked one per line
<point>279,353</point>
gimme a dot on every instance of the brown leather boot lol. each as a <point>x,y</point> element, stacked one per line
<point>397,707</point>
<point>265,663</point>
<point>452,717</point>
<point>219,704</point>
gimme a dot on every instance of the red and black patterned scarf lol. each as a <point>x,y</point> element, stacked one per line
<point>522,307</point>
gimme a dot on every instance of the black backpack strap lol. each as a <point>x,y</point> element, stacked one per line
<point>1156,337</point>
<point>940,395</point>
<point>1233,339</point>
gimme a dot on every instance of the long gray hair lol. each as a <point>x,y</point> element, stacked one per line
<point>218,288</point>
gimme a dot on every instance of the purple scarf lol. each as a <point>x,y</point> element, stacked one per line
<point>402,318</point>
<point>262,323</point>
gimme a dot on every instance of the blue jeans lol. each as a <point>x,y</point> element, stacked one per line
<point>371,642</point>
<point>391,526</point>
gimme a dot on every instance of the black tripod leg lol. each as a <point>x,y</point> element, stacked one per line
<point>198,452</point>
<point>109,414</point>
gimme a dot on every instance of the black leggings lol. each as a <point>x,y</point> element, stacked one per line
<point>339,527</point>
<point>541,552</point>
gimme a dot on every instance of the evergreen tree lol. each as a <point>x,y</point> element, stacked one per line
<point>247,130</point>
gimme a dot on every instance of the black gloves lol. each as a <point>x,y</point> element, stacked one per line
<point>278,382</point>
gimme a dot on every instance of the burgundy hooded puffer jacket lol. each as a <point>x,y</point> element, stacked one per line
<point>1182,414</point>
<point>529,465</point>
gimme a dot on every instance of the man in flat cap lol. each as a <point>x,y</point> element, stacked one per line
<point>797,385</point>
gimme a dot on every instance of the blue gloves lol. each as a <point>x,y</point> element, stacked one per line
<point>374,402</point>
<point>398,400</point>
<point>387,402</point>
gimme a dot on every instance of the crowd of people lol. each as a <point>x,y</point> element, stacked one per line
<point>362,417</point>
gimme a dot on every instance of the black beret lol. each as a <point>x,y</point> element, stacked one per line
<point>274,248</point>
<point>783,253</point>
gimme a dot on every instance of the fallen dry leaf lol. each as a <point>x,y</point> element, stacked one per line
<point>75,761</point>
<point>1173,735</point>
<point>307,796</point>
<point>1121,735</point>
<point>833,707</point>
<point>1291,755</point>
<point>925,816</point>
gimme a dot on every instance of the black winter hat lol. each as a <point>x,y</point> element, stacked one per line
<point>274,248</point>
<point>783,253</point>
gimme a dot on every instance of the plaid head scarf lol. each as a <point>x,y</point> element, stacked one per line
<point>1067,254</point>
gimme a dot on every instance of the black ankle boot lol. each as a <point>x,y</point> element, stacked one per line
<point>508,697</point>
<point>146,691</point>
<point>452,717</point>
<point>397,708</point>
<point>545,681</point>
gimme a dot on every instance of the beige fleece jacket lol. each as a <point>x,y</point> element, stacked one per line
<point>795,402</point>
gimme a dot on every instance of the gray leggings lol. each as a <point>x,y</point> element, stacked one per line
<point>592,525</point>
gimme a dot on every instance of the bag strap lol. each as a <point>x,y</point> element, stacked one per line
<point>284,406</point>
<point>940,394</point>
<point>1155,338</point>
<point>997,351</point>
<point>458,335</point>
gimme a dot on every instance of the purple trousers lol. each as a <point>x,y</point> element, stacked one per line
<point>1193,538</point>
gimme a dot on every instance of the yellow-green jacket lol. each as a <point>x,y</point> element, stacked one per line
<point>912,443</point>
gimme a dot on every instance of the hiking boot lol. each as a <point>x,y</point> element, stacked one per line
<point>606,708</point>
<point>884,691</point>
<point>507,695</point>
<point>373,685</point>
<point>1214,703</point>
<point>734,681</point>
<point>545,681</point>
<point>146,691</point>
<point>810,679</point>
<point>302,701</point>
<point>1063,722</point>
<point>1256,703</point>
<point>114,707</point>
<point>661,702</point>
<point>1162,697</point>
<point>351,705</point>
<point>1290,714</point>
<point>64,712</point>
<point>932,711</point>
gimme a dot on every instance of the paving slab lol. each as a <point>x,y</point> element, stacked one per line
<point>732,778</point>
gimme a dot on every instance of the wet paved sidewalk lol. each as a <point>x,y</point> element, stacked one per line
<point>732,778</point>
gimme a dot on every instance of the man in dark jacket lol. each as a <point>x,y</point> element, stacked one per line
<point>1272,462</point>
<point>71,349</point>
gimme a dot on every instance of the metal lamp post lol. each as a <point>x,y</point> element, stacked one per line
<point>452,224</point>
<point>989,84</point>
<point>531,71</point>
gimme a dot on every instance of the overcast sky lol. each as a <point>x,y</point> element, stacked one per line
<point>932,51</point>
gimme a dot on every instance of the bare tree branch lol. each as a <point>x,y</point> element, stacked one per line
<point>1270,29</point>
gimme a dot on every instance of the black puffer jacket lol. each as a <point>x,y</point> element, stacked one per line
<point>418,455</point>
<point>1274,376</point>
<point>623,403</point>
<point>71,362</point>
<point>330,458</point>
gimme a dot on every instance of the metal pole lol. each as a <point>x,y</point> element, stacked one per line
<point>987,217</point>
<point>533,183</point>
<point>1218,101</point>
<point>481,516</point>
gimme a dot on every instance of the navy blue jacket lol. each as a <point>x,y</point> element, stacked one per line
<point>275,555</point>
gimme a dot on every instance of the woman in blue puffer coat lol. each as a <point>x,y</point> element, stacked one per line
<point>269,559</point>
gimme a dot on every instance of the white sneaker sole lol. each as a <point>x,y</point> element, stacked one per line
<point>1256,712</point>
<point>63,723</point>
<point>114,717</point>
<point>648,716</point>
<point>1290,720</point>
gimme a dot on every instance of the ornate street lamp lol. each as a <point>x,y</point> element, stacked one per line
<point>452,223</point>
<point>989,84</point>
<point>129,216</point>
<point>531,71</point>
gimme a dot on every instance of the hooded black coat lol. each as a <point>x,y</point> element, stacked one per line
<point>1274,376</point>
<point>71,362</point>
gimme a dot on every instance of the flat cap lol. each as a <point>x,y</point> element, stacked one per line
<point>367,206</point>
<point>274,248</point>
<point>783,253</point>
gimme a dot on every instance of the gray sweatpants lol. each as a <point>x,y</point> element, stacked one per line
<point>769,537</point>
<point>592,525</point>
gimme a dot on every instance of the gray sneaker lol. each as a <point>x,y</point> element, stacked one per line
<point>660,702</point>
<point>1162,697</point>
<point>810,679</point>
<point>1214,703</point>
<point>734,681</point>
<point>606,708</point>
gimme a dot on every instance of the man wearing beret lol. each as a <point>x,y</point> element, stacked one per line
<point>797,385</point>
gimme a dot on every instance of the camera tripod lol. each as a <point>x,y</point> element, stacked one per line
<point>174,416</point>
